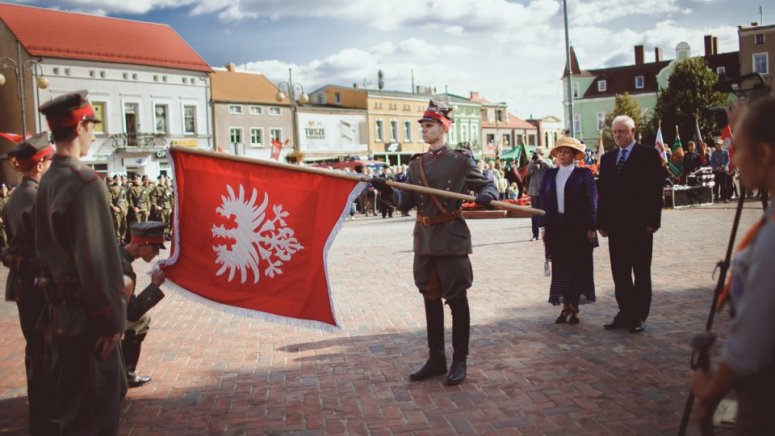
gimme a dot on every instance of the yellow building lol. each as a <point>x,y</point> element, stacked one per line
<point>394,134</point>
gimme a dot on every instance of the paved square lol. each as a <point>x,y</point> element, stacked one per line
<point>215,373</point>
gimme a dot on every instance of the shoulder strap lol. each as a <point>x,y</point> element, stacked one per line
<point>434,198</point>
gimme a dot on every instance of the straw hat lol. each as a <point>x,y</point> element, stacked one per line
<point>567,141</point>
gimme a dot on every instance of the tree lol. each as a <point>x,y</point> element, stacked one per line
<point>689,96</point>
<point>624,105</point>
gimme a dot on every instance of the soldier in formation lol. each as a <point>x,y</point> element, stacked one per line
<point>119,206</point>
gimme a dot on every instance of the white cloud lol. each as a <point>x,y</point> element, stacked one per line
<point>586,12</point>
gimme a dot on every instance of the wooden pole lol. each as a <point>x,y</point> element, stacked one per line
<point>358,178</point>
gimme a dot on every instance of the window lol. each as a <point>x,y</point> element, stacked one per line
<point>315,132</point>
<point>577,125</point>
<point>394,131</point>
<point>235,135</point>
<point>463,133</point>
<point>575,89</point>
<point>758,39</point>
<point>639,82</point>
<point>276,134</point>
<point>338,98</point>
<point>475,133</point>
<point>722,72</point>
<point>275,111</point>
<point>407,131</point>
<point>235,109</point>
<point>761,64</point>
<point>255,110</point>
<point>189,120</point>
<point>531,139</point>
<point>505,141</point>
<point>601,85</point>
<point>99,112</point>
<point>600,120</point>
<point>256,137</point>
<point>520,138</point>
<point>378,131</point>
<point>160,120</point>
<point>452,138</point>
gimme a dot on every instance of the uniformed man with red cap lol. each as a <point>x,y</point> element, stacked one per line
<point>31,158</point>
<point>81,275</point>
<point>442,241</point>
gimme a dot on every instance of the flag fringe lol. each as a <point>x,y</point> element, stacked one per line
<point>252,313</point>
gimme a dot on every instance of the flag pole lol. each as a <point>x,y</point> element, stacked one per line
<point>353,177</point>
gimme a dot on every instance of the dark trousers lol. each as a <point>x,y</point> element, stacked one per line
<point>535,201</point>
<point>88,389</point>
<point>721,188</point>
<point>40,387</point>
<point>630,253</point>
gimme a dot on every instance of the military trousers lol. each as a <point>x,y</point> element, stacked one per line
<point>442,276</point>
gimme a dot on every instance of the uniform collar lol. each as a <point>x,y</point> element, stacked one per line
<point>439,152</point>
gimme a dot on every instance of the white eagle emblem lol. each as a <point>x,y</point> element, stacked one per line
<point>251,238</point>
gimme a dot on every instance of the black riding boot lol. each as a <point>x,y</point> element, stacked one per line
<point>437,360</point>
<point>131,346</point>
<point>461,328</point>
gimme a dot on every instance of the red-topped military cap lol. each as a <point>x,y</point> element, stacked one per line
<point>439,114</point>
<point>31,151</point>
<point>148,233</point>
<point>68,110</point>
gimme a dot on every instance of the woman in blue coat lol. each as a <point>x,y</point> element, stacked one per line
<point>569,198</point>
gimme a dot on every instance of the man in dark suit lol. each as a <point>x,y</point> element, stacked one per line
<point>629,212</point>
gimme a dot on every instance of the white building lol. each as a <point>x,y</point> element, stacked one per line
<point>145,82</point>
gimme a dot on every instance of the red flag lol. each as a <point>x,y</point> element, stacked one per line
<point>276,147</point>
<point>13,137</point>
<point>253,237</point>
<point>660,145</point>
<point>726,136</point>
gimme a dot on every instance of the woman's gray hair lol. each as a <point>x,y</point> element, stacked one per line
<point>624,119</point>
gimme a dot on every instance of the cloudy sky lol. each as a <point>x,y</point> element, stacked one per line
<point>508,50</point>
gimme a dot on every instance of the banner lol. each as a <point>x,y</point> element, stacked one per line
<point>660,145</point>
<point>252,237</point>
<point>276,147</point>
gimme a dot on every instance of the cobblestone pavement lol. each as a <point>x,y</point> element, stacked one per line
<point>215,373</point>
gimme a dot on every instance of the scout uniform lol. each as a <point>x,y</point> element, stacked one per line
<point>442,243</point>
<point>147,233</point>
<point>82,280</point>
<point>23,267</point>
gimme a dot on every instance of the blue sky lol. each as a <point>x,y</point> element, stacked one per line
<point>509,51</point>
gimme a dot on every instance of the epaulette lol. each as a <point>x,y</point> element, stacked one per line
<point>416,155</point>
<point>85,173</point>
<point>465,151</point>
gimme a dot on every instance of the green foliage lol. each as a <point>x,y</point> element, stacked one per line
<point>624,105</point>
<point>688,96</point>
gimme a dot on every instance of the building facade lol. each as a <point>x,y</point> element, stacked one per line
<point>757,51</point>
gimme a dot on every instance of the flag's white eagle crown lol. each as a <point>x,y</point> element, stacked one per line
<point>256,239</point>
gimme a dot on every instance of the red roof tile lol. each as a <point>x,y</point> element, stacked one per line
<point>57,34</point>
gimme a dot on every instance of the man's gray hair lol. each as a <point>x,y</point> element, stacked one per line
<point>624,119</point>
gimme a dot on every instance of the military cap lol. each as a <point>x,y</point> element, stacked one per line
<point>148,233</point>
<point>68,110</point>
<point>31,151</point>
<point>438,114</point>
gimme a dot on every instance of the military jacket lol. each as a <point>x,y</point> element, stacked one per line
<point>138,305</point>
<point>75,243</point>
<point>164,197</point>
<point>118,197</point>
<point>138,197</point>
<point>17,216</point>
<point>449,170</point>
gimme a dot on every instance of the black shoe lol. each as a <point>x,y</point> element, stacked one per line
<point>563,318</point>
<point>637,327</point>
<point>573,319</point>
<point>457,373</point>
<point>135,381</point>
<point>615,324</point>
<point>432,368</point>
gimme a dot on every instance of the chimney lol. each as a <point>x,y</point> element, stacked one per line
<point>715,45</point>
<point>639,55</point>
<point>355,85</point>
<point>474,95</point>
<point>231,67</point>
<point>708,45</point>
<point>657,54</point>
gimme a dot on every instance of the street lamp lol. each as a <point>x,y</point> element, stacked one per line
<point>293,90</point>
<point>18,68</point>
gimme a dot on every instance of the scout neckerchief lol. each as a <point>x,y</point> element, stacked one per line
<point>435,199</point>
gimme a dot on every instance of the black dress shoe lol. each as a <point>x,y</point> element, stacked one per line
<point>457,373</point>
<point>432,368</point>
<point>638,327</point>
<point>615,324</point>
<point>135,381</point>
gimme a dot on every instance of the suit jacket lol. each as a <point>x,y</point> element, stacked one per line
<point>632,201</point>
<point>569,231</point>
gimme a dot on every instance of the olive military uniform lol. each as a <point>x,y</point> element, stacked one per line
<point>119,208</point>
<point>83,281</point>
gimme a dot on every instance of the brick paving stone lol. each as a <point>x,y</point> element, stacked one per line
<point>218,373</point>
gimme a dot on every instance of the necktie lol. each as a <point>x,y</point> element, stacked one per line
<point>620,163</point>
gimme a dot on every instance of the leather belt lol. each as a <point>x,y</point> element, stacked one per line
<point>21,264</point>
<point>59,289</point>
<point>428,221</point>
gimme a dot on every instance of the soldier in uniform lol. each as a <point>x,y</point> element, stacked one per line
<point>119,207</point>
<point>138,203</point>
<point>442,241</point>
<point>81,276</point>
<point>162,200</point>
<point>32,159</point>
<point>147,240</point>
